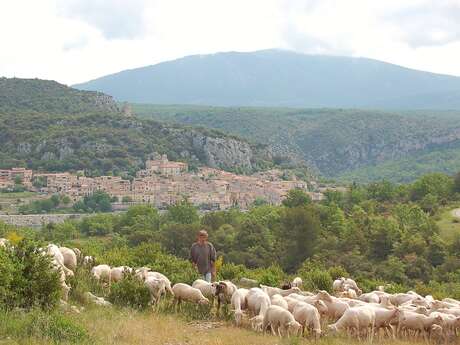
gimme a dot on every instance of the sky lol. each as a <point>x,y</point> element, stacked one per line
<point>74,41</point>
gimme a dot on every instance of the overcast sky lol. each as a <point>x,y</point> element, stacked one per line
<point>76,40</point>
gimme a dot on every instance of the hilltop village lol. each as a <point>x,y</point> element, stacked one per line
<point>163,183</point>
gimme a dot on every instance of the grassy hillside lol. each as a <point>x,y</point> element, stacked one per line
<point>350,143</point>
<point>281,78</point>
<point>48,126</point>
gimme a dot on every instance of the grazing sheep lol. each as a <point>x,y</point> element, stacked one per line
<point>279,320</point>
<point>257,303</point>
<point>159,275</point>
<point>156,287</point>
<point>224,291</point>
<point>308,316</point>
<point>70,258</point>
<point>184,292</point>
<point>249,283</point>
<point>336,308</point>
<point>418,323</point>
<point>118,273</point>
<point>102,273</point>
<point>77,253</point>
<point>401,298</point>
<point>239,303</point>
<point>297,282</point>
<point>207,289</point>
<point>64,287</point>
<point>53,251</point>
<point>337,284</point>
<point>88,260</point>
<point>349,293</point>
<point>279,301</point>
<point>359,319</point>
<point>3,242</point>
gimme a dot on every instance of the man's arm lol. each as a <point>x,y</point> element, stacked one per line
<point>193,256</point>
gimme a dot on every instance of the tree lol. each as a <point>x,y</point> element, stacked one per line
<point>437,184</point>
<point>456,187</point>
<point>99,201</point>
<point>183,213</point>
<point>296,197</point>
<point>297,236</point>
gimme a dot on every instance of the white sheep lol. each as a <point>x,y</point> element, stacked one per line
<point>297,282</point>
<point>88,260</point>
<point>279,301</point>
<point>280,321</point>
<point>239,303</point>
<point>207,289</point>
<point>102,273</point>
<point>370,297</point>
<point>156,287</point>
<point>416,322</point>
<point>337,284</point>
<point>159,275</point>
<point>336,308</point>
<point>224,292</point>
<point>53,251</point>
<point>3,242</point>
<point>358,319</point>
<point>69,258</point>
<point>308,316</point>
<point>118,273</point>
<point>270,291</point>
<point>184,292</point>
<point>257,303</point>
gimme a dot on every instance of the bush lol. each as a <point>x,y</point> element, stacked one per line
<point>130,292</point>
<point>29,280</point>
<point>230,271</point>
<point>317,280</point>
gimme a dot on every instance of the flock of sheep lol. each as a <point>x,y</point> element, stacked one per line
<point>288,310</point>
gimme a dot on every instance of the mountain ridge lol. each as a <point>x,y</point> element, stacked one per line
<point>280,78</point>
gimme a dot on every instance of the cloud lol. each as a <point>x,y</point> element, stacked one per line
<point>115,19</point>
<point>430,23</point>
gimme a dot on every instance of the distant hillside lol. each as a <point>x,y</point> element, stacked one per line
<point>48,126</point>
<point>282,79</point>
<point>361,144</point>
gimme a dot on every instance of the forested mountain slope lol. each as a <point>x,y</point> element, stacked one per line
<point>337,141</point>
<point>281,78</point>
<point>48,126</point>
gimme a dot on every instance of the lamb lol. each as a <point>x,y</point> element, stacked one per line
<point>280,319</point>
<point>69,258</point>
<point>297,282</point>
<point>118,273</point>
<point>308,316</point>
<point>279,301</point>
<point>184,292</point>
<point>156,287</point>
<point>270,291</point>
<point>239,303</point>
<point>102,273</point>
<point>358,319</point>
<point>77,253</point>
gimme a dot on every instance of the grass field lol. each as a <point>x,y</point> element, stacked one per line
<point>448,224</point>
<point>126,327</point>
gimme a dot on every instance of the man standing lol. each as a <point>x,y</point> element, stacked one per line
<point>203,256</point>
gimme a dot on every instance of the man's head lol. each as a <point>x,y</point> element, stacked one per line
<point>202,236</point>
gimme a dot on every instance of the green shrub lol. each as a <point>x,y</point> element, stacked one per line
<point>317,280</point>
<point>30,281</point>
<point>233,272</point>
<point>337,272</point>
<point>130,292</point>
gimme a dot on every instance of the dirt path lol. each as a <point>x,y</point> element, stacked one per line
<point>456,213</point>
